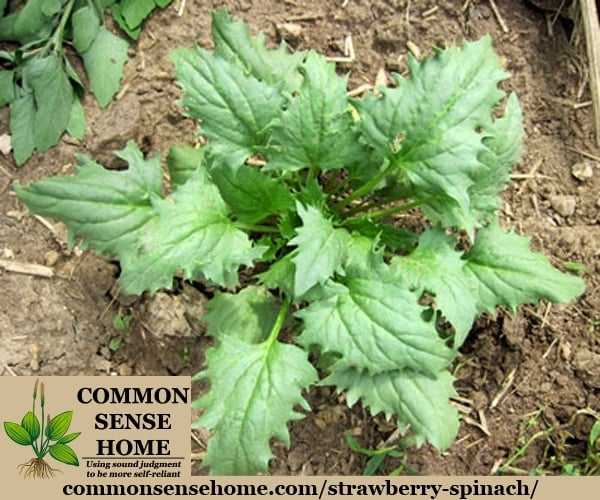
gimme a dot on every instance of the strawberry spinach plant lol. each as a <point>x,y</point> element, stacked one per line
<point>309,191</point>
<point>37,78</point>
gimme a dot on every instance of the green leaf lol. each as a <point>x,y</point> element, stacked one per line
<point>429,125</point>
<point>63,453</point>
<point>316,129</point>
<point>252,397</point>
<point>417,399</point>
<point>58,426</point>
<point>504,271</point>
<point>235,108</point>
<point>280,276</point>
<point>52,7</point>
<point>234,43</point>
<point>163,3</point>
<point>183,161</point>
<point>17,433</point>
<point>22,119</point>
<point>135,11</point>
<point>373,320</point>
<point>104,62</point>
<point>67,438</point>
<point>32,425</point>
<point>322,250</point>
<point>117,15</point>
<point>107,207</point>
<point>53,95</point>
<point>248,315</point>
<point>396,238</point>
<point>503,140</point>
<point>436,267</point>
<point>31,23</point>
<point>192,232</point>
<point>252,195</point>
<point>86,24</point>
<point>76,125</point>
<point>7,87</point>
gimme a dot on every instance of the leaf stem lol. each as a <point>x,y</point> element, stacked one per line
<point>55,41</point>
<point>393,210</point>
<point>279,321</point>
<point>365,188</point>
<point>255,228</point>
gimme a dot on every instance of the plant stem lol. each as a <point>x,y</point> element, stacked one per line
<point>256,228</point>
<point>366,188</point>
<point>278,322</point>
<point>312,172</point>
<point>57,37</point>
<point>393,210</point>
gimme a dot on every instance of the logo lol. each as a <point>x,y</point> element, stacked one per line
<point>46,436</point>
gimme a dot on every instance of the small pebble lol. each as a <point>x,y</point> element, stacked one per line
<point>583,170</point>
<point>563,204</point>
<point>290,32</point>
<point>51,258</point>
<point>5,144</point>
<point>125,370</point>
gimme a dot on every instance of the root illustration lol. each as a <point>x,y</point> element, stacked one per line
<point>37,468</point>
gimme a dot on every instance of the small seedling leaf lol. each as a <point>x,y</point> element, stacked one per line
<point>76,125</point>
<point>64,454</point>
<point>7,87</point>
<point>53,95</point>
<point>17,433</point>
<point>86,24</point>
<point>252,397</point>
<point>135,11</point>
<point>58,426</point>
<point>22,118</point>
<point>104,61</point>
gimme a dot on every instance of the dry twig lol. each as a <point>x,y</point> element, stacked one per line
<point>591,27</point>
<point>498,16</point>
<point>26,268</point>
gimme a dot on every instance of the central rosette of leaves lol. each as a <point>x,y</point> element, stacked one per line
<point>306,181</point>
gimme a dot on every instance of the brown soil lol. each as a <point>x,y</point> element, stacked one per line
<point>543,362</point>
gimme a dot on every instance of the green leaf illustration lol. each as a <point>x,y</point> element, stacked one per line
<point>59,425</point>
<point>17,433</point>
<point>63,453</point>
<point>32,425</point>
<point>69,437</point>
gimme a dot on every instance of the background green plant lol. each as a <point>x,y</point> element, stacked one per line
<point>37,78</point>
<point>310,187</point>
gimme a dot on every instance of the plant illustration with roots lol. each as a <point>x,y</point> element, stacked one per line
<point>46,436</point>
